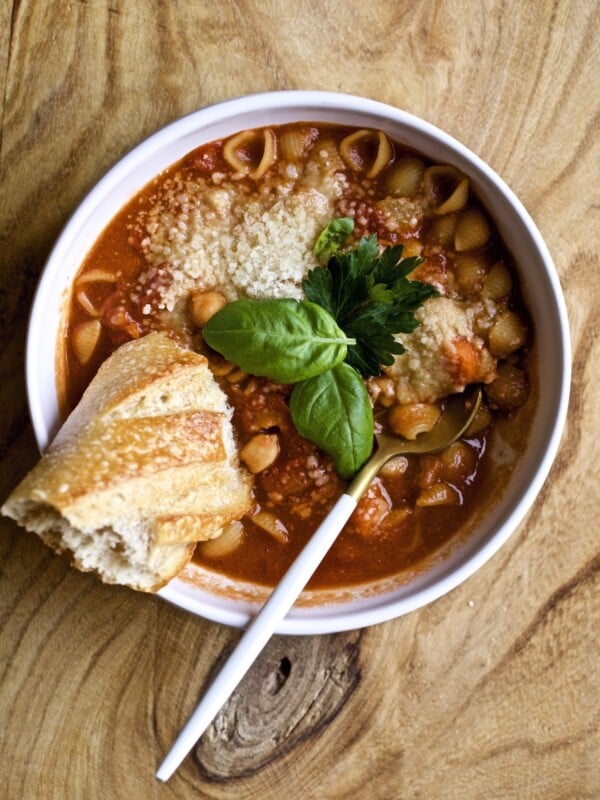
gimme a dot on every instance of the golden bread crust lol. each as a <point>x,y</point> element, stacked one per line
<point>144,467</point>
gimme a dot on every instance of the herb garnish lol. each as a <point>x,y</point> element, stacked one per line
<point>286,340</point>
<point>333,410</point>
<point>370,298</point>
<point>355,304</point>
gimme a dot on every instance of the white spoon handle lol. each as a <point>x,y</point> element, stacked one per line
<point>258,633</point>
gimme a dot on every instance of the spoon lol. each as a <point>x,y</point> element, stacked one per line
<point>454,421</point>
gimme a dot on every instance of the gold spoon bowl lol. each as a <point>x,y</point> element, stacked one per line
<point>458,415</point>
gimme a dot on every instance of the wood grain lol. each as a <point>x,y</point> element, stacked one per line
<point>492,691</point>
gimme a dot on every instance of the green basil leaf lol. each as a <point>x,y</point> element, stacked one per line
<point>333,410</point>
<point>332,238</point>
<point>285,340</point>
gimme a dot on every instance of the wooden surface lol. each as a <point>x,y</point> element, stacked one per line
<point>491,692</point>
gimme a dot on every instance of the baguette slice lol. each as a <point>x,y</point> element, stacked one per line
<point>145,466</point>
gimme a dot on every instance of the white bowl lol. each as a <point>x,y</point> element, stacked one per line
<point>323,612</point>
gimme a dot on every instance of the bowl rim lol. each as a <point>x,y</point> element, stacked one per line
<point>325,619</point>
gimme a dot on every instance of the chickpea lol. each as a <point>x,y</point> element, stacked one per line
<point>482,420</point>
<point>394,467</point>
<point>509,389</point>
<point>260,451</point>
<point>204,305</point>
<point>458,462</point>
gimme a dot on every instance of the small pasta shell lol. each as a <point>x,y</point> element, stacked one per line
<point>411,419</point>
<point>440,494</point>
<point>93,275</point>
<point>470,272</point>
<point>405,177</point>
<point>442,230</point>
<point>251,152</point>
<point>85,338</point>
<point>472,230</point>
<point>497,283</point>
<point>366,151</point>
<point>226,543</point>
<point>272,525</point>
<point>294,142</point>
<point>446,189</point>
<point>507,334</point>
<point>87,305</point>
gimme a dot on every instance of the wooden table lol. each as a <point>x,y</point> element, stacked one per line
<point>492,691</point>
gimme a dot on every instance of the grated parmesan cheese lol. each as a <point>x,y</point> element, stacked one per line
<point>424,373</point>
<point>247,246</point>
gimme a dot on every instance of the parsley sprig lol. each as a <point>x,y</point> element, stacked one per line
<point>368,294</point>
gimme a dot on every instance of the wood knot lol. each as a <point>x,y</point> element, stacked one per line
<point>294,689</point>
<point>276,680</point>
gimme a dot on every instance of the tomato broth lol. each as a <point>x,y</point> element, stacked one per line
<point>239,218</point>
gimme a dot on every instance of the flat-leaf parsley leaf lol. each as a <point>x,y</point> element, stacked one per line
<point>370,297</point>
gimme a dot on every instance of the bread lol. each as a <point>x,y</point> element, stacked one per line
<point>145,466</point>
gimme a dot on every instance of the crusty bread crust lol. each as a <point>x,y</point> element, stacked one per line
<point>145,466</point>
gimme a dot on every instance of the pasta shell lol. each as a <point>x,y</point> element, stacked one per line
<point>411,419</point>
<point>294,142</point>
<point>272,525</point>
<point>497,283</point>
<point>226,543</point>
<point>405,177</point>
<point>472,230</point>
<point>87,305</point>
<point>442,230</point>
<point>251,152</point>
<point>446,189</point>
<point>86,336</point>
<point>93,275</point>
<point>366,151</point>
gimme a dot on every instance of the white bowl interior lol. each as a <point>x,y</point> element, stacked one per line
<point>538,276</point>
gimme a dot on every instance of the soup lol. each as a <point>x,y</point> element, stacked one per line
<point>239,218</point>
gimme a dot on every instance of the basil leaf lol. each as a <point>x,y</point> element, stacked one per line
<point>333,411</point>
<point>285,340</point>
<point>332,238</point>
